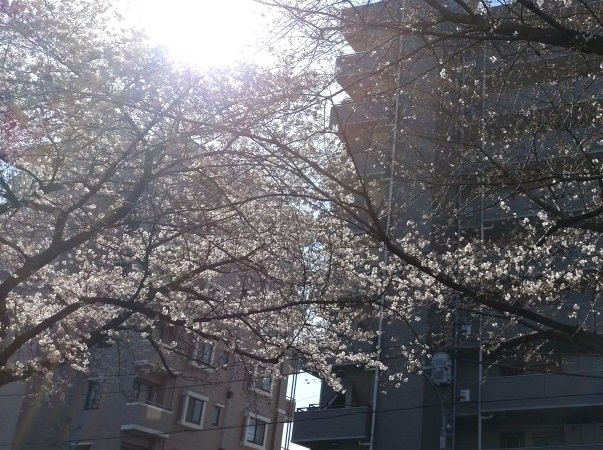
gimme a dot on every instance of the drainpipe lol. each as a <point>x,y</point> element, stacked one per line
<point>482,238</point>
<point>376,380</point>
<point>291,403</point>
<point>479,388</point>
<point>229,394</point>
<point>442,411</point>
<point>277,401</point>
<point>390,196</point>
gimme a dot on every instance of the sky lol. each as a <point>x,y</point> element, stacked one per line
<point>306,393</point>
<point>202,32</point>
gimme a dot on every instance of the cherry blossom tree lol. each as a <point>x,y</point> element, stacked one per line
<point>489,203</point>
<point>136,193</point>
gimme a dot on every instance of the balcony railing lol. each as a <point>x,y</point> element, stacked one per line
<point>558,447</point>
<point>542,95</point>
<point>147,416</point>
<point>367,73</point>
<point>350,113</point>
<point>370,26</point>
<point>537,391</point>
<point>315,425</point>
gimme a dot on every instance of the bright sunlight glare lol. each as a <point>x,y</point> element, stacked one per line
<point>203,32</point>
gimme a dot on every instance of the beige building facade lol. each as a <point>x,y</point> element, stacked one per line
<point>205,397</point>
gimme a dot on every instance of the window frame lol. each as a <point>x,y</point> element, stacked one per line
<point>203,353</point>
<point>262,382</point>
<point>155,397</point>
<point>93,395</point>
<point>165,335</point>
<point>81,445</point>
<point>507,438</point>
<point>186,398</point>
<point>551,439</point>
<point>216,414</point>
<point>258,420</point>
<point>124,445</point>
<point>224,358</point>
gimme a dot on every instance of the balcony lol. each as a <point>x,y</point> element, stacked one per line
<point>529,69</point>
<point>367,73</point>
<point>561,447</point>
<point>313,425</point>
<point>141,416</point>
<point>543,95</point>
<point>537,391</point>
<point>349,113</point>
<point>369,164</point>
<point>366,27</point>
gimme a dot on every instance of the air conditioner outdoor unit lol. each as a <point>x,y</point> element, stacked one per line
<point>441,369</point>
<point>464,395</point>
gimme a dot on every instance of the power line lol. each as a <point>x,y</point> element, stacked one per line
<point>250,379</point>
<point>344,413</point>
<point>135,375</point>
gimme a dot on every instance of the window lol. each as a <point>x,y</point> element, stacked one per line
<point>78,445</point>
<point>224,358</point>
<point>128,446</point>
<point>255,431</point>
<point>146,392</point>
<point>165,335</point>
<point>549,440</point>
<point>215,414</point>
<point>193,408</point>
<point>262,382</point>
<point>93,397</point>
<point>510,371</point>
<point>512,440</point>
<point>203,352</point>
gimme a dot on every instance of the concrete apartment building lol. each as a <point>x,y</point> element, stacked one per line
<point>208,399</point>
<point>464,401</point>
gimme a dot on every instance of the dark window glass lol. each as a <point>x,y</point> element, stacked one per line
<point>215,415</point>
<point>262,381</point>
<point>194,410</point>
<point>548,440</point>
<point>203,352</point>
<point>512,440</point>
<point>93,397</point>
<point>145,392</point>
<point>128,446</point>
<point>256,429</point>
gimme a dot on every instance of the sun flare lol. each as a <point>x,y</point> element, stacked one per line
<point>202,32</point>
